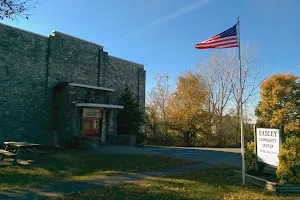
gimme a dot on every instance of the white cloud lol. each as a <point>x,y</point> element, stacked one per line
<point>182,11</point>
<point>176,14</point>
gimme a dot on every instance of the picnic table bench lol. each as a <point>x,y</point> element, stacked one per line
<point>14,149</point>
<point>7,154</point>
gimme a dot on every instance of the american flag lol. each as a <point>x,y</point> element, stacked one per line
<point>226,39</point>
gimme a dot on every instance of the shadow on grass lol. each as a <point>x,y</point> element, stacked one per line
<point>220,182</point>
<point>210,183</point>
<point>68,165</point>
<point>217,182</point>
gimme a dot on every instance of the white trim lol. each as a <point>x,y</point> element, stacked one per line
<point>91,86</point>
<point>95,105</point>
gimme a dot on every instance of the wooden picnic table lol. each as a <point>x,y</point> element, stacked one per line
<point>21,144</point>
<point>13,149</point>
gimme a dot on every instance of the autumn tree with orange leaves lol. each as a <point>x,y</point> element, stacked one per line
<point>187,108</point>
<point>280,103</point>
<point>204,108</point>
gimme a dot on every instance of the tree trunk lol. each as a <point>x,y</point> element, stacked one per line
<point>238,123</point>
<point>187,139</point>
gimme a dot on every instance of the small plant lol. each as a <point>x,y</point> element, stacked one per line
<point>289,161</point>
<point>250,156</point>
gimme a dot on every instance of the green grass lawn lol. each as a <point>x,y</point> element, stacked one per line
<point>68,165</point>
<point>210,183</point>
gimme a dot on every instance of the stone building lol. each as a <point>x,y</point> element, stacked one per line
<point>58,86</point>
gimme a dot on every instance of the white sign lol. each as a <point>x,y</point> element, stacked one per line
<point>268,145</point>
<point>91,112</point>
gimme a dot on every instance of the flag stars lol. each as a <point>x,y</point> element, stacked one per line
<point>226,39</point>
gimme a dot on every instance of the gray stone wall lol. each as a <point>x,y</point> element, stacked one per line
<point>121,72</point>
<point>24,100</point>
<point>73,60</point>
<point>31,65</point>
<point>104,125</point>
<point>62,123</point>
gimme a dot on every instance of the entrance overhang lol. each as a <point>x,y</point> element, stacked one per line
<point>95,105</point>
<point>91,87</point>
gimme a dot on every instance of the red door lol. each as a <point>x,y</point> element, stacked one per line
<point>91,122</point>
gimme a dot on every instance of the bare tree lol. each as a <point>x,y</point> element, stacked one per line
<point>252,75</point>
<point>158,100</point>
<point>15,9</point>
<point>221,74</point>
<point>216,74</point>
<point>151,120</point>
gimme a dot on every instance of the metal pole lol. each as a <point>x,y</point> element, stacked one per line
<point>241,108</point>
<point>255,148</point>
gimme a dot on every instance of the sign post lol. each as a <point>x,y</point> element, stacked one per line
<point>281,132</point>
<point>255,148</point>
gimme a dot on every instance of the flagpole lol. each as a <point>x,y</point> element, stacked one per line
<point>241,108</point>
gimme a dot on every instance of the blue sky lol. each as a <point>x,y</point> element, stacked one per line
<point>161,34</point>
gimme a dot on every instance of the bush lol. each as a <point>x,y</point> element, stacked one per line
<point>140,138</point>
<point>250,156</point>
<point>171,139</point>
<point>292,129</point>
<point>289,161</point>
